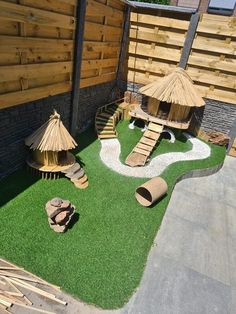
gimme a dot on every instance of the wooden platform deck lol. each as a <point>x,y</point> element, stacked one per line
<point>138,113</point>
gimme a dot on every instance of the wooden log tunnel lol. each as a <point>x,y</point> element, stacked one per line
<point>152,190</point>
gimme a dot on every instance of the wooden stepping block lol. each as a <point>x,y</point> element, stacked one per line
<point>151,135</point>
<point>76,167</point>
<point>141,151</point>
<point>148,141</point>
<point>81,180</point>
<point>155,127</point>
<point>145,147</point>
<point>76,175</point>
<point>81,185</point>
<point>135,159</point>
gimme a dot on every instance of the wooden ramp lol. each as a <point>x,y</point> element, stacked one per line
<point>106,120</point>
<point>145,146</point>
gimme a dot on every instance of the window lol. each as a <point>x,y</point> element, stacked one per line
<point>225,7</point>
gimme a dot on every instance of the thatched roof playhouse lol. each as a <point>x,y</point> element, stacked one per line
<point>171,99</point>
<point>50,145</point>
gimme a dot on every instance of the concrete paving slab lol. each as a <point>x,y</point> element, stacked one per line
<point>209,214</point>
<point>199,248</point>
<point>180,290</point>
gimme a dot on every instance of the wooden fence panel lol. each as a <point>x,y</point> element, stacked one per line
<point>37,46</point>
<point>102,41</point>
<point>212,62</point>
<point>155,46</point>
<point>36,49</point>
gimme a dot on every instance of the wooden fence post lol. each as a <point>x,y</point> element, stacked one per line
<point>189,40</point>
<point>78,52</point>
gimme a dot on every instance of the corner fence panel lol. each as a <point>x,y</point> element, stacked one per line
<point>36,49</point>
<point>212,61</point>
<point>155,46</point>
<point>102,41</point>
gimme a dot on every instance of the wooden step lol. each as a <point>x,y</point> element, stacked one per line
<point>151,135</point>
<point>81,185</point>
<point>104,127</point>
<point>135,159</point>
<point>106,115</point>
<point>112,132</point>
<point>76,175</point>
<point>141,151</point>
<point>106,136</point>
<point>110,120</point>
<point>144,146</point>
<point>81,180</point>
<point>155,127</point>
<point>75,167</point>
<point>148,141</point>
<point>104,122</point>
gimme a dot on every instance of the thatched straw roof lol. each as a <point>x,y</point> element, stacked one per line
<point>177,87</point>
<point>51,136</point>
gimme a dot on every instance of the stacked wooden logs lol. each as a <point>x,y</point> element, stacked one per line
<point>59,213</point>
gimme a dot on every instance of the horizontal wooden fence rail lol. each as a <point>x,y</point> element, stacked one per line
<point>212,61</point>
<point>155,46</point>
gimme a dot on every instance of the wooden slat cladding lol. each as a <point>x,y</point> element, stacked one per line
<point>36,49</point>
<point>102,41</point>
<point>155,46</point>
<point>212,62</point>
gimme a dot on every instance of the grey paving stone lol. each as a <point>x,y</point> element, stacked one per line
<point>233,302</point>
<point>208,213</point>
<point>210,187</point>
<point>199,248</point>
<point>231,221</point>
<point>232,260</point>
<point>172,288</point>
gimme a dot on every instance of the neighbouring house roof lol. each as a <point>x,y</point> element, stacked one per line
<point>177,87</point>
<point>155,6</point>
<point>51,136</point>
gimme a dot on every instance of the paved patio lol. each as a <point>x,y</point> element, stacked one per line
<point>191,267</point>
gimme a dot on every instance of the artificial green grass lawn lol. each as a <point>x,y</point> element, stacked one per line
<point>102,257</point>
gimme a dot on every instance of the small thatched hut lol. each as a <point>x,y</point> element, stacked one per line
<point>172,98</point>
<point>50,145</point>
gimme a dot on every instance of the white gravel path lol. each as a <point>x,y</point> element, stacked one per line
<point>110,152</point>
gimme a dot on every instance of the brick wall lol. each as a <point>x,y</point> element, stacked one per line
<point>217,116</point>
<point>16,123</point>
<point>91,98</point>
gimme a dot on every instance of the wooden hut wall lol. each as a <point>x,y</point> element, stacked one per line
<point>36,47</point>
<point>155,46</point>
<point>212,62</point>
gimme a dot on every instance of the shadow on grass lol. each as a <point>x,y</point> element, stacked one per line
<point>15,184</point>
<point>73,221</point>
